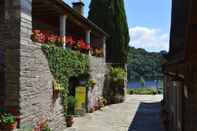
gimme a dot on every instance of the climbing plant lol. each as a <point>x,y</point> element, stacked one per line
<point>64,64</point>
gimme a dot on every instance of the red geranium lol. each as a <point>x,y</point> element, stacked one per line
<point>70,41</point>
<point>42,36</point>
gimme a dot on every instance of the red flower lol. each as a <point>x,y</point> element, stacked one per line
<point>42,36</point>
<point>69,40</point>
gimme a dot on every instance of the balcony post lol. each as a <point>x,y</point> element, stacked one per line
<point>88,36</point>
<point>104,47</point>
<point>63,29</point>
<point>87,40</point>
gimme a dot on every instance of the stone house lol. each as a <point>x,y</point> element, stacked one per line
<point>26,81</point>
<point>180,69</point>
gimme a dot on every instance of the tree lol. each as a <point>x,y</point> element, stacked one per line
<point>111,17</point>
<point>143,64</point>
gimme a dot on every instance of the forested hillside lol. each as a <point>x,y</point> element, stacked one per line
<point>142,64</point>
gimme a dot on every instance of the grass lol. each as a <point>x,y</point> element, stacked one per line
<point>143,91</point>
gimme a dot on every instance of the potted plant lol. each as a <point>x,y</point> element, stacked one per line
<point>8,121</point>
<point>46,128</point>
<point>57,88</point>
<point>69,120</point>
<point>101,102</point>
<point>70,111</point>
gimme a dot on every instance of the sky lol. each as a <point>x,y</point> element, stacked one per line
<point>149,23</point>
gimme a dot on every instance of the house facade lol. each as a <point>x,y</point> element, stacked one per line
<point>26,81</point>
<point>180,69</point>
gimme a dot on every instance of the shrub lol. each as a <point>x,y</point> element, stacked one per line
<point>117,74</point>
<point>7,119</point>
<point>142,91</point>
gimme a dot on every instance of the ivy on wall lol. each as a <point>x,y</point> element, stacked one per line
<point>64,64</point>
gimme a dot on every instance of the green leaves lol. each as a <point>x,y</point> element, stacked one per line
<point>111,17</point>
<point>7,119</point>
<point>65,63</point>
<point>143,64</point>
<point>117,74</point>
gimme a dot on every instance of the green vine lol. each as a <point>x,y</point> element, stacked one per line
<point>64,64</point>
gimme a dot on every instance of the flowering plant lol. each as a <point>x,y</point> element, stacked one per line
<point>97,52</point>
<point>84,45</point>
<point>46,37</point>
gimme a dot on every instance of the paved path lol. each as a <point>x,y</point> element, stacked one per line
<point>137,113</point>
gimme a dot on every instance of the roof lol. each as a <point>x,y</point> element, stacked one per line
<point>61,7</point>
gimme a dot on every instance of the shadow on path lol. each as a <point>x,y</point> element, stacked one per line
<point>147,118</point>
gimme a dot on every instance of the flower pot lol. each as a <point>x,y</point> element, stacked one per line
<point>11,127</point>
<point>69,121</point>
<point>101,105</point>
<point>92,110</point>
<point>96,108</point>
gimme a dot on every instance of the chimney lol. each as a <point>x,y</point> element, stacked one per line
<point>79,6</point>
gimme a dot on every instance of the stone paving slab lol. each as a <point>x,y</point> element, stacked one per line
<point>137,113</point>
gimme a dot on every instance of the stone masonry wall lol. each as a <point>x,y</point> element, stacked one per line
<point>36,91</point>
<point>10,42</point>
<point>28,87</point>
<point>97,71</point>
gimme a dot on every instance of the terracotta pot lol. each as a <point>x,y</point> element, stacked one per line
<point>69,121</point>
<point>11,127</point>
<point>92,110</point>
<point>96,108</point>
<point>101,105</point>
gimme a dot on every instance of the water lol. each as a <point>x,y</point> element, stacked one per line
<point>148,84</point>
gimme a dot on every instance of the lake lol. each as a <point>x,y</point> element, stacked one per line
<point>148,84</point>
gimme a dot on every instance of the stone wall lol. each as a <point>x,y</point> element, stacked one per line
<point>10,42</point>
<point>28,86</point>
<point>36,91</point>
<point>98,70</point>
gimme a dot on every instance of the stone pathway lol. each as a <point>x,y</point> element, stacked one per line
<point>137,113</point>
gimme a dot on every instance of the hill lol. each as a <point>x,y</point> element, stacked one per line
<point>143,64</point>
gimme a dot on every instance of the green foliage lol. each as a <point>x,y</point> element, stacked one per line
<point>143,64</point>
<point>111,17</point>
<point>142,91</point>
<point>7,119</point>
<point>117,74</point>
<point>142,81</point>
<point>71,105</point>
<point>64,64</point>
<point>46,129</point>
<point>27,127</point>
